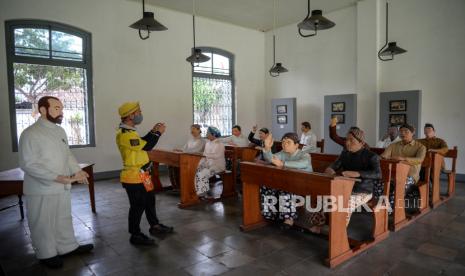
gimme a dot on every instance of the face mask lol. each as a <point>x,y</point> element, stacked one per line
<point>138,119</point>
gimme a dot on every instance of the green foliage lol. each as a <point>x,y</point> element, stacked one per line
<point>205,95</point>
<point>33,80</point>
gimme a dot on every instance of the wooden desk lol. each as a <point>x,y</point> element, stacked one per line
<point>11,183</point>
<point>187,164</point>
<point>304,184</point>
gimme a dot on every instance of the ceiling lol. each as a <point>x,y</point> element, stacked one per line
<point>253,14</point>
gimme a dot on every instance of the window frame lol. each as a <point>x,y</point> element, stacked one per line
<point>86,63</point>
<point>230,77</point>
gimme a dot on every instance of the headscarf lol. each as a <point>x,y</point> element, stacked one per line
<point>214,131</point>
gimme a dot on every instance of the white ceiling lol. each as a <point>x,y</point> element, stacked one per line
<point>253,14</point>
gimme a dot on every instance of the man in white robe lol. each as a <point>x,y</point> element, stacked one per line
<point>49,169</point>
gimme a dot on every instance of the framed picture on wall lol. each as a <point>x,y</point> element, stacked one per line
<point>397,105</point>
<point>397,119</point>
<point>281,109</point>
<point>341,119</point>
<point>282,119</point>
<point>338,107</point>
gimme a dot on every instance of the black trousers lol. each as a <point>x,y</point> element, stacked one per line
<point>140,200</point>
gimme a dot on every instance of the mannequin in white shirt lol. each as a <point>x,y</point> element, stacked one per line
<point>308,138</point>
<point>391,137</point>
<point>195,144</point>
<point>213,162</point>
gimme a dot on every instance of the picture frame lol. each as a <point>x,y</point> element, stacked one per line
<point>397,106</point>
<point>341,118</point>
<point>281,119</point>
<point>281,109</point>
<point>338,107</point>
<point>397,119</point>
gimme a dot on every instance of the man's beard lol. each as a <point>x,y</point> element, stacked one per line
<point>56,120</point>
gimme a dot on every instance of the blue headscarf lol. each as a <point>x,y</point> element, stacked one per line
<point>214,131</point>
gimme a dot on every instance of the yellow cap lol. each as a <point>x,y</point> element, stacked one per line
<point>128,108</point>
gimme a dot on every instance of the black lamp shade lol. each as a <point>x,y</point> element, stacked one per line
<point>197,57</point>
<point>392,49</point>
<point>149,23</point>
<point>316,22</point>
<point>278,68</point>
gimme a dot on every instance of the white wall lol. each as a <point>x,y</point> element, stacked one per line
<point>343,60</point>
<point>153,71</point>
<point>318,66</point>
<point>434,63</point>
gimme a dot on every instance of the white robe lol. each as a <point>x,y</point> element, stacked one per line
<point>240,141</point>
<point>43,155</point>
<point>194,145</point>
<point>212,164</point>
<point>309,141</point>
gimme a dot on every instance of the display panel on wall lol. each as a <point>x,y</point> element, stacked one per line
<point>397,105</point>
<point>282,119</point>
<point>397,119</point>
<point>338,107</point>
<point>281,109</point>
<point>341,119</point>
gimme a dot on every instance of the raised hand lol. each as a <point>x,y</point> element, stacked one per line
<point>254,128</point>
<point>333,122</point>
<point>268,142</point>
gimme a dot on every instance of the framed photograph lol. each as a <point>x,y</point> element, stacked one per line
<point>338,107</point>
<point>281,109</point>
<point>282,119</point>
<point>397,119</point>
<point>398,105</point>
<point>341,119</point>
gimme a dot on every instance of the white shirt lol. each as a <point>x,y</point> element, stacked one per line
<point>43,155</point>
<point>240,141</point>
<point>309,141</point>
<point>194,145</point>
<point>386,142</point>
<point>214,152</point>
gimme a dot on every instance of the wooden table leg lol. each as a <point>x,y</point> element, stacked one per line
<point>21,208</point>
<point>90,171</point>
<point>400,177</point>
<point>156,177</point>
<point>251,215</point>
<point>187,168</point>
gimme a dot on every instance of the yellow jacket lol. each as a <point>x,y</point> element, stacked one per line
<point>134,157</point>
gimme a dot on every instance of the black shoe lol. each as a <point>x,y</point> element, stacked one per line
<point>141,239</point>
<point>160,229</point>
<point>84,248</point>
<point>53,262</point>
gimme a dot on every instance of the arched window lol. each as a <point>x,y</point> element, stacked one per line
<point>213,91</point>
<point>50,59</point>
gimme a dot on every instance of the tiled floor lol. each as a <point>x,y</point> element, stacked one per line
<point>208,242</point>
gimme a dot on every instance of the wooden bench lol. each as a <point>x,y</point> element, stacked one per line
<point>11,183</point>
<point>313,185</point>
<point>187,164</point>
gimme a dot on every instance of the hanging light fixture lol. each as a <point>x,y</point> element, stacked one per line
<point>147,23</point>
<point>277,68</point>
<point>387,53</point>
<point>197,56</point>
<point>314,22</point>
